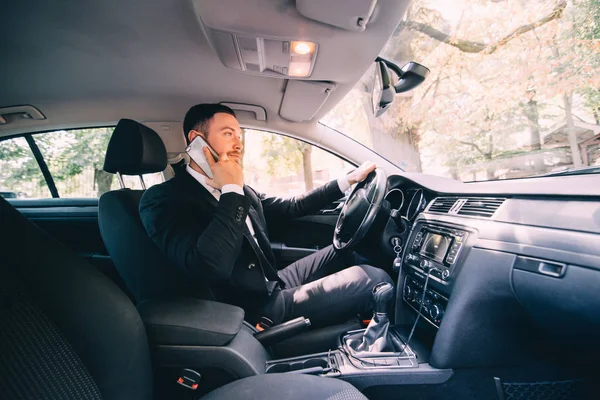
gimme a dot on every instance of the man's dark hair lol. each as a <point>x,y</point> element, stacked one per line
<point>198,117</point>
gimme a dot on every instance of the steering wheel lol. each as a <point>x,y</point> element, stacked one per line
<point>359,211</point>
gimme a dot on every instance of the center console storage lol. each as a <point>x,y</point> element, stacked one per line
<point>317,364</point>
<point>383,368</point>
<point>345,361</point>
<point>397,354</point>
<point>379,354</point>
<point>194,333</point>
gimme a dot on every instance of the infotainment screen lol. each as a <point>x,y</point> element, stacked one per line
<point>435,246</point>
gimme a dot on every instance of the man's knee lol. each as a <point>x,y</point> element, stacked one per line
<point>365,277</point>
<point>376,275</point>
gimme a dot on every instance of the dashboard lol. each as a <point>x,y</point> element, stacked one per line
<point>487,270</point>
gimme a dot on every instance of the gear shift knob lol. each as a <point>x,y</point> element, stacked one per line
<point>383,294</point>
<point>375,339</point>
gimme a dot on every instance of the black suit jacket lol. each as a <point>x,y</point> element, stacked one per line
<point>209,241</point>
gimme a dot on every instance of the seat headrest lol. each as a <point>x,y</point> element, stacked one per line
<point>135,149</point>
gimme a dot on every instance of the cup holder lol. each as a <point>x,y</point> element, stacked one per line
<point>315,362</point>
<point>297,365</point>
<point>275,368</point>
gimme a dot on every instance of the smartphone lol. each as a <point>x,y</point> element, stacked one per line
<point>194,150</point>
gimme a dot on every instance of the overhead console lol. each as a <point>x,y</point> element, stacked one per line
<point>264,55</point>
<point>297,34</point>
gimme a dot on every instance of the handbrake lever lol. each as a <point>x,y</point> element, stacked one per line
<point>282,331</point>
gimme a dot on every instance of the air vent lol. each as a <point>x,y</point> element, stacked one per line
<point>480,207</point>
<point>442,204</point>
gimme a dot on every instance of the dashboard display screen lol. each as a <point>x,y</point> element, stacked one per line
<point>435,246</point>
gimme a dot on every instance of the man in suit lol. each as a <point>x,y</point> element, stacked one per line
<point>215,230</point>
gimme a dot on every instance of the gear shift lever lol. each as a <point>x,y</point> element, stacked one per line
<point>383,294</point>
<point>375,337</point>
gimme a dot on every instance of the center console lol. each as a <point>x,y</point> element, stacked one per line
<point>381,353</point>
<point>436,248</point>
<point>431,261</point>
<point>385,368</point>
<point>433,255</point>
<point>341,361</point>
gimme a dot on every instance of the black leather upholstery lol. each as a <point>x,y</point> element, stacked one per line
<point>135,149</point>
<point>68,332</point>
<point>190,321</point>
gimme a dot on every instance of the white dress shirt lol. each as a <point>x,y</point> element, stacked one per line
<point>217,194</point>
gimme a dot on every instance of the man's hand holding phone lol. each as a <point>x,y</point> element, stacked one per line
<point>225,171</point>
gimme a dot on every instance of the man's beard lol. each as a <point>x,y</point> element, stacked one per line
<point>238,159</point>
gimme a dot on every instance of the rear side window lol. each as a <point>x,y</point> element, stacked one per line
<point>20,175</point>
<point>73,161</point>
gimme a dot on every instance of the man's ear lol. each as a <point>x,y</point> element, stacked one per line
<point>192,135</point>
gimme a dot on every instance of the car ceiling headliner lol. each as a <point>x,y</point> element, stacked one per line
<point>92,63</point>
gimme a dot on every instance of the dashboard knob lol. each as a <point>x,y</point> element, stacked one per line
<point>425,264</point>
<point>445,274</point>
<point>417,296</point>
<point>436,311</point>
<point>408,292</point>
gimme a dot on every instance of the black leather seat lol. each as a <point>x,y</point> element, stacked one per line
<point>68,332</point>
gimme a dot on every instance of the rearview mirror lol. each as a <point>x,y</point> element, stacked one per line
<point>382,95</point>
<point>413,74</point>
<point>409,77</point>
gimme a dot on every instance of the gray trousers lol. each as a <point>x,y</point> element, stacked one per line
<point>325,288</point>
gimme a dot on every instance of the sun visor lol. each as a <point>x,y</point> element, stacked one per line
<point>353,15</point>
<point>248,110</point>
<point>303,99</point>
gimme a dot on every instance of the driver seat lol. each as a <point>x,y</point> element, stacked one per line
<point>68,332</point>
<point>135,149</point>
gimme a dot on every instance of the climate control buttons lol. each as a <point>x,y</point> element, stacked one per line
<point>432,305</point>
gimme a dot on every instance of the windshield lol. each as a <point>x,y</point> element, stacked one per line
<point>514,90</point>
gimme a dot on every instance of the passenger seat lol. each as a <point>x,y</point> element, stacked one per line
<point>68,332</point>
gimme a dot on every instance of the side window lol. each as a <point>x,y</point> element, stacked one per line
<point>282,166</point>
<point>74,159</point>
<point>20,175</point>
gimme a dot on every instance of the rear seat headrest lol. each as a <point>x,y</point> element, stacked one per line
<point>135,149</point>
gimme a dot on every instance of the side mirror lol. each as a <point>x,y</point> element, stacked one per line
<point>409,77</point>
